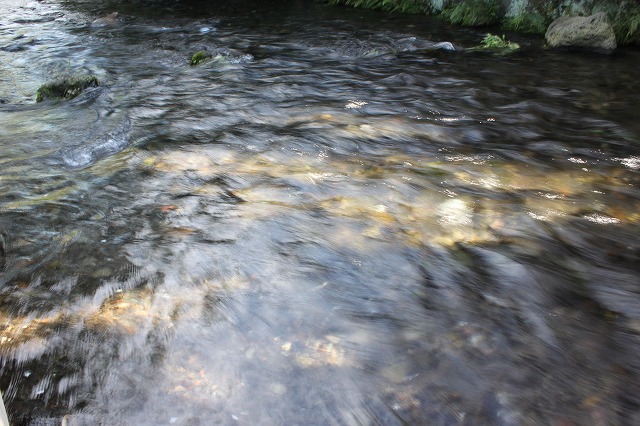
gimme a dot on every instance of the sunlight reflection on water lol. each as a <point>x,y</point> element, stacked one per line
<point>318,226</point>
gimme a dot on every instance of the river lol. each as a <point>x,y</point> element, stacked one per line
<point>343,218</point>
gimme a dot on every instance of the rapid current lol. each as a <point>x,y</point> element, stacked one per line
<point>343,218</point>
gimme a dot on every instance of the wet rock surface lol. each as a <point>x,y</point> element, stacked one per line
<point>65,87</point>
<point>591,32</point>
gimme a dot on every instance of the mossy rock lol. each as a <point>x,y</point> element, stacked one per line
<point>200,57</point>
<point>473,13</point>
<point>66,88</point>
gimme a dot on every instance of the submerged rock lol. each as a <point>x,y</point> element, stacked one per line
<point>591,32</point>
<point>19,45</point>
<point>221,55</point>
<point>110,20</point>
<point>2,247</point>
<point>65,88</point>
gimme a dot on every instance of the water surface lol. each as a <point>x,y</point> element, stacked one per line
<point>337,220</point>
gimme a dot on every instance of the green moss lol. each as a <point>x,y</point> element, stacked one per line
<point>66,88</point>
<point>200,57</point>
<point>473,13</point>
<point>407,6</point>
<point>491,41</point>
<point>533,23</point>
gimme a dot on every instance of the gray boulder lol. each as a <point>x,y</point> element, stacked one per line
<point>585,32</point>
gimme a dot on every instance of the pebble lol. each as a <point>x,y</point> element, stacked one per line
<point>179,389</point>
<point>278,388</point>
<point>102,273</point>
<point>333,339</point>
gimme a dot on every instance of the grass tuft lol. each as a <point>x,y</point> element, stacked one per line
<point>625,20</point>
<point>473,13</point>
<point>407,6</point>
<point>627,27</point>
<point>533,23</point>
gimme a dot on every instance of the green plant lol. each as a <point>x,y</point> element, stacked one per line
<point>627,27</point>
<point>407,6</point>
<point>625,20</point>
<point>473,13</point>
<point>200,57</point>
<point>491,41</point>
<point>533,23</point>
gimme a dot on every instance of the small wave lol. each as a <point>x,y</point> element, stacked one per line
<point>411,44</point>
<point>444,45</point>
<point>630,162</point>
<point>99,147</point>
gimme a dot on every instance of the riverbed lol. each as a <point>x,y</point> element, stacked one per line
<point>343,218</point>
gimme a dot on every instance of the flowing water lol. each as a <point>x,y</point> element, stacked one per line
<point>343,218</point>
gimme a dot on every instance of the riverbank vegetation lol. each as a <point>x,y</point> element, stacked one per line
<point>473,13</point>
<point>626,26</point>
<point>527,16</point>
<point>532,23</point>
<point>407,6</point>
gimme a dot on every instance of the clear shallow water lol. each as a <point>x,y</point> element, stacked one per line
<point>335,222</point>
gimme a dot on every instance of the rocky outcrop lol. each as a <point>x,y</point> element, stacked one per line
<point>591,32</point>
